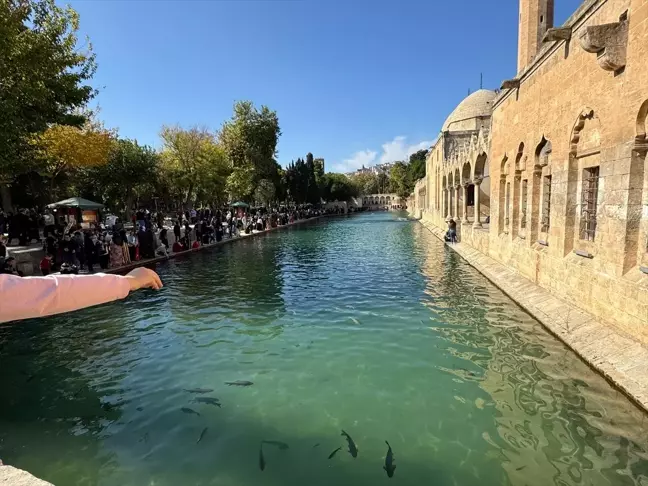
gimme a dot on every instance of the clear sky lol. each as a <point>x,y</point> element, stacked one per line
<point>356,82</point>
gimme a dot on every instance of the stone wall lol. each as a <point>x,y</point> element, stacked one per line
<point>592,118</point>
<point>568,185</point>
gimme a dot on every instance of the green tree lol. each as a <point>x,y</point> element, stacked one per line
<point>366,183</point>
<point>312,188</point>
<point>43,78</point>
<point>401,183</point>
<point>250,139</point>
<point>417,165</point>
<point>184,156</point>
<point>130,172</point>
<point>240,183</point>
<point>338,187</point>
<point>265,192</point>
<point>214,169</point>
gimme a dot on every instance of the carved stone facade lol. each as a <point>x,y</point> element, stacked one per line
<point>565,151</point>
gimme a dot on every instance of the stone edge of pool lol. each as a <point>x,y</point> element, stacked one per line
<point>619,358</point>
<point>12,476</point>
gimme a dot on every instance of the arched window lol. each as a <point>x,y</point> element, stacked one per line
<point>503,213</point>
<point>583,183</point>
<point>541,192</point>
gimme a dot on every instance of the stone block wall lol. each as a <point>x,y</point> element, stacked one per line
<point>594,119</point>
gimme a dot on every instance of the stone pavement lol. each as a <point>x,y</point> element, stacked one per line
<point>622,360</point>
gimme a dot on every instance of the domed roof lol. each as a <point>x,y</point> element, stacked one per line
<point>479,103</point>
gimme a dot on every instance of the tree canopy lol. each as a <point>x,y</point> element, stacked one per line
<point>44,77</point>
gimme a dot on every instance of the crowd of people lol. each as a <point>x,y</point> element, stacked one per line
<point>70,248</point>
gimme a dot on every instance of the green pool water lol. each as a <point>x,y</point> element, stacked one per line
<point>364,323</point>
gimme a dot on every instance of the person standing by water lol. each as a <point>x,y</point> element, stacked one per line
<point>68,249</point>
<point>176,230</point>
<point>116,252</point>
<point>28,297</point>
<point>131,239</point>
<point>91,252</point>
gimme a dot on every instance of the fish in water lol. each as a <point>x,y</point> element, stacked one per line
<point>202,435</point>
<point>281,445</point>
<point>389,461</point>
<point>198,390</point>
<point>208,401</point>
<point>239,383</point>
<point>316,445</point>
<point>353,450</point>
<point>334,452</point>
<point>519,468</point>
<point>261,458</point>
<point>189,411</point>
<point>355,321</point>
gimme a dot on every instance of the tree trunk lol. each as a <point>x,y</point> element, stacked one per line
<point>189,191</point>
<point>5,192</point>
<point>129,203</point>
<point>51,192</point>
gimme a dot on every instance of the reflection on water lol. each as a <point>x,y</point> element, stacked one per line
<point>367,324</point>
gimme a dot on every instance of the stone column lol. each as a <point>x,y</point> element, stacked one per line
<point>448,202</point>
<point>456,208</point>
<point>477,223</point>
<point>464,216</point>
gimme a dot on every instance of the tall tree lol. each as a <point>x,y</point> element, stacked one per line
<point>184,153</point>
<point>250,139</point>
<point>338,187</point>
<point>62,148</point>
<point>401,182</point>
<point>43,78</point>
<point>240,183</point>
<point>312,189</point>
<point>417,165</point>
<point>265,192</point>
<point>131,169</point>
<point>366,183</point>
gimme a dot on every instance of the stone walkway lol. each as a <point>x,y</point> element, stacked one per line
<point>10,476</point>
<point>622,360</point>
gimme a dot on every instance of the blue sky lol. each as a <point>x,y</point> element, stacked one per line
<point>352,81</point>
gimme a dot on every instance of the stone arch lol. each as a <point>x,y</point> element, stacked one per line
<point>636,204</point>
<point>466,173</point>
<point>584,152</point>
<point>482,184</point>
<point>517,196</point>
<point>481,166</point>
<point>642,124</point>
<point>520,159</point>
<point>504,167</point>
<point>503,209</point>
<point>541,191</point>
<point>542,153</point>
<point>444,196</point>
<point>581,140</point>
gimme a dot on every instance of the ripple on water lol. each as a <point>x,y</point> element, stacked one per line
<point>367,324</point>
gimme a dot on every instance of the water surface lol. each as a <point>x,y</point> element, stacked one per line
<point>366,323</point>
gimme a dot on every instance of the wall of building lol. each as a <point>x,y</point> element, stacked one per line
<point>590,117</point>
<point>568,118</point>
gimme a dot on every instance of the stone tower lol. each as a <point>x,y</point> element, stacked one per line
<point>536,16</point>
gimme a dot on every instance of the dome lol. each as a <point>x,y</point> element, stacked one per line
<point>479,103</point>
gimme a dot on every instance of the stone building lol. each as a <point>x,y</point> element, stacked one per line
<point>381,201</point>
<point>556,161</point>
